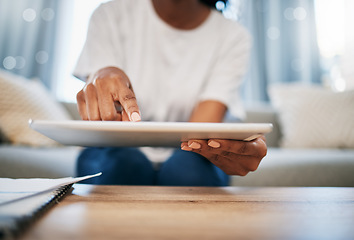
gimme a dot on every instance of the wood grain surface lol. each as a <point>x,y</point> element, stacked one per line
<point>137,212</point>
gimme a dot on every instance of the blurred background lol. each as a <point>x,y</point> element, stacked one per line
<point>309,41</point>
<point>300,79</point>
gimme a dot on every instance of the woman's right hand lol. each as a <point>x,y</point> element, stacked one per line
<point>108,96</point>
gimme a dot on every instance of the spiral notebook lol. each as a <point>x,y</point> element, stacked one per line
<point>23,201</point>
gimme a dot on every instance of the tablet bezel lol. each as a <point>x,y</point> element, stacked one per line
<point>159,134</point>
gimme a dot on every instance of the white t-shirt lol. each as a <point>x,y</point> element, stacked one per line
<point>171,70</point>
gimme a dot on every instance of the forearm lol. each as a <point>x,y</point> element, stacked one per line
<point>208,111</point>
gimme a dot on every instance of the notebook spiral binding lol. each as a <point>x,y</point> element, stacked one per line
<point>13,227</point>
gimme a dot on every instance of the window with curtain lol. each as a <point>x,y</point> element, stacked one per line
<point>68,85</point>
<point>42,39</point>
<point>336,42</point>
<point>285,45</point>
<point>307,41</point>
<point>29,33</point>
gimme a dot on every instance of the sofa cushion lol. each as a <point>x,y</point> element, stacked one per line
<point>265,113</point>
<point>22,99</point>
<point>39,162</point>
<point>302,167</point>
<point>314,117</point>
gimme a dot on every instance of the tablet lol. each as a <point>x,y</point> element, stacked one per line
<point>159,134</point>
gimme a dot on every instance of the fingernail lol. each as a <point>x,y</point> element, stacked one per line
<point>194,145</point>
<point>135,117</point>
<point>186,148</point>
<point>214,144</point>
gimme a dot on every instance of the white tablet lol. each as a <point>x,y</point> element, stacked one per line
<point>161,134</point>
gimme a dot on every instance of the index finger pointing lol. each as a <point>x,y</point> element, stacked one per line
<point>128,101</point>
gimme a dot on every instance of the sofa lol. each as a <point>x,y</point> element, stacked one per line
<point>312,142</point>
<point>281,167</point>
<point>302,166</point>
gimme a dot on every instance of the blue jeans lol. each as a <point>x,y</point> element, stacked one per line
<point>129,166</point>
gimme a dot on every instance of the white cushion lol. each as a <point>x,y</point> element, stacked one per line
<point>314,117</point>
<point>22,99</point>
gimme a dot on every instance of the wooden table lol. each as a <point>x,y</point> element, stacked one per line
<point>123,212</point>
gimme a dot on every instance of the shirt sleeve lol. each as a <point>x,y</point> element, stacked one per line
<point>227,74</point>
<point>100,44</point>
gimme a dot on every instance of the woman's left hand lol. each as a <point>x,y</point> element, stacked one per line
<point>233,157</point>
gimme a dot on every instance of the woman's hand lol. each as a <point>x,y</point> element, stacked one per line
<point>233,157</point>
<point>108,96</point>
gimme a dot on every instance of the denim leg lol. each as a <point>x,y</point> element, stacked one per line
<point>190,169</point>
<point>119,166</point>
